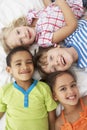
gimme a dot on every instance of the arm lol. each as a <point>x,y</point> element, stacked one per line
<point>57,127</point>
<point>47,2</point>
<point>51,119</point>
<point>58,123</point>
<point>70,20</point>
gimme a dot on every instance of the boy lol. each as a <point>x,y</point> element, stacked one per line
<point>27,102</point>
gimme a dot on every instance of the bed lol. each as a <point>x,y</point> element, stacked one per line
<point>12,9</point>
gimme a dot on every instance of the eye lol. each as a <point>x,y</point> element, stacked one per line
<point>53,69</point>
<point>29,62</point>
<point>18,64</point>
<point>51,58</point>
<point>18,32</point>
<point>63,89</point>
<point>73,85</point>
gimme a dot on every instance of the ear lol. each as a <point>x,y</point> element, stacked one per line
<point>55,97</point>
<point>8,69</point>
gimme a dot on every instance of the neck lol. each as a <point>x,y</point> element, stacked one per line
<point>71,109</point>
<point>25,84</point>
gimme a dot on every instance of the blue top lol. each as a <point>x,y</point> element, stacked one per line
<point>78,40</point>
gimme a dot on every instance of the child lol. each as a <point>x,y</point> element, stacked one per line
<point>65,90</point>
<point>61,58</point>
<point>27,102</point>
<point>54,23</point>
<point>63,21</point>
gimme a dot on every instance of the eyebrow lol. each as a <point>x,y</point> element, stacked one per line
<point>66,85</point>
<point>26,60</point>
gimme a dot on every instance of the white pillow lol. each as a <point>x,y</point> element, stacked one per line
<point>11,9</point>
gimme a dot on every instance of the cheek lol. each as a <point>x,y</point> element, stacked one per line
<point>32,67</point>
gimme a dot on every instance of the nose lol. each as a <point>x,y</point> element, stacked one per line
<point>70,90</point>
<point>56,62</point>
<point>24,66</point>
<point>23,34</point>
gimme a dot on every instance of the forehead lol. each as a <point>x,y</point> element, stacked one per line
<point>64,78</point>
<point>21,55</point>
<point>44,63</point>
<point>19,27</point>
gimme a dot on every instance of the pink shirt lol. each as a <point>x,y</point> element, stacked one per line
<point>51,19</point>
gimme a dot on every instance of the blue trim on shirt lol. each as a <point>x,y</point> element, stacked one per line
<point>25,92</point>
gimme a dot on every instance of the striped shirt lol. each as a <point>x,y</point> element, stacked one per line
<point>51,19</point>
<point>78,40</point>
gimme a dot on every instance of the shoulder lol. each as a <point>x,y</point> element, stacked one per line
<point>41,83</point>
<point>6,88</point>
<point>58,122</point>
<point>43,86</point>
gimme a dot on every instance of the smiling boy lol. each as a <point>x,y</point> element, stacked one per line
<point>28,103</point>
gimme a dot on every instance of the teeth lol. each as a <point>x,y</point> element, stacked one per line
<point>71,97</point>
<point>63,61</point>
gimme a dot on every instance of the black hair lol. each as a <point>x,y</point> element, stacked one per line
<point>13,51</point>
<point>51,78</point>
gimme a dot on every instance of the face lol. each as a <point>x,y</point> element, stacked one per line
<point>66,90</point>
<point>22,67</point>
<point>58,59</point>
<point>22,35</point>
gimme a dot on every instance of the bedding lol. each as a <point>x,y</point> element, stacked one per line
<point>12,9</point>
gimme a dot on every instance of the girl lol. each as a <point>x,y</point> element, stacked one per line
<point>65,90</point>
<point>37,26</point>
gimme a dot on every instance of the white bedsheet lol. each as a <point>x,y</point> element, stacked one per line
<point>11,9</point>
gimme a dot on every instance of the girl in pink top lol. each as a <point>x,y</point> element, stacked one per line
<point>47,27</point>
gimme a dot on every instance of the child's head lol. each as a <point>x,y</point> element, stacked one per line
<point>20,63</point>
<point>18,33</point>
<point>64,87</point>
<point>53,59</point>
